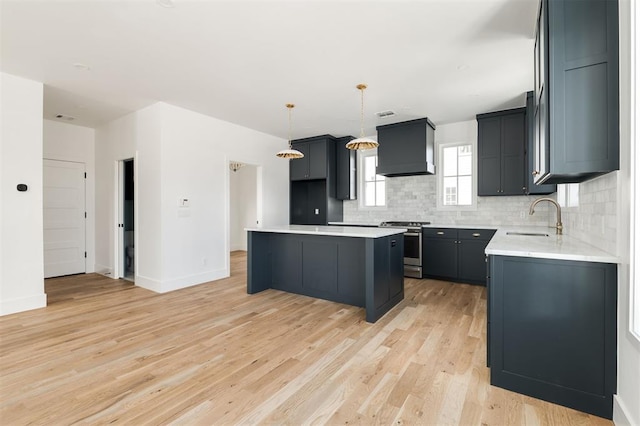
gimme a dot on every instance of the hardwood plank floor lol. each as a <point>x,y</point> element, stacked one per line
<point>106,351</point>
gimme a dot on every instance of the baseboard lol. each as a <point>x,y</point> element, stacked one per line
<point>178,283</point>
<point>149,283</point>
<point>621,416</point>
<point>191,280</point>
<point>21,304</point>
<point>107,271</point>
<point>236,247</point>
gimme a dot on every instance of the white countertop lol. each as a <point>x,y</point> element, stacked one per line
<point>333,231</point>
<point>561,247</point>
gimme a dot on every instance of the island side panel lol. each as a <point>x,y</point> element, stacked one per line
<point>384,279</point>
<point>258,262</point>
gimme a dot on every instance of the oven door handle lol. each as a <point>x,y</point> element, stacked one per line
<point>413,234</point>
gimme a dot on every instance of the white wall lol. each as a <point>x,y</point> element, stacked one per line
<point>182,154</point>
<point>21,246</point>
<point>243,205</point>
<point>196,151</point>
<point>66,142</point>
<point>138,136</point>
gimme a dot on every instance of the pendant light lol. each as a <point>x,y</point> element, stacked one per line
<point>290,153</point>
<point>362,142</point>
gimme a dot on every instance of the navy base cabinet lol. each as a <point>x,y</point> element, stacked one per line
<point>552,330</point>
<point>365,272</point>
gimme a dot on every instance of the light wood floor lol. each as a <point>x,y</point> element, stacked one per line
<point>105,351</point>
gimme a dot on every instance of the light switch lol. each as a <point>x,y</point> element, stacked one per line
<point>183,202</point>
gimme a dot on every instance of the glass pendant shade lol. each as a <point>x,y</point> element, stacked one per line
<point>362,142</point>
<point>290,153</point>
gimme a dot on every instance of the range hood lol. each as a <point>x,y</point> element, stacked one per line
<point>406,148</point>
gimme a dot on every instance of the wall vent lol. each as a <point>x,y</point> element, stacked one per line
<point>385,114</point>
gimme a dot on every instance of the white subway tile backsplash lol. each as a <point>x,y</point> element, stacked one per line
<point>414,198</point>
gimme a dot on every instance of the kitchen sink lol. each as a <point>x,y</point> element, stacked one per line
<point>529,234</point>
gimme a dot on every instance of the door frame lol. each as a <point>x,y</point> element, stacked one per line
<point>118,215</point>
<point>259,201</point>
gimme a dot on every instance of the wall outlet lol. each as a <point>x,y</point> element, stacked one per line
<point>522,215</point>
<point>204,261</point>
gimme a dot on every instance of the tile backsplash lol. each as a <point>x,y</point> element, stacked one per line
<point>414,198</point>
<point>594,220</point>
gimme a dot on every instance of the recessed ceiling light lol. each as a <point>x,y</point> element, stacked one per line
<point>165,3</point>
<point>81,66</point>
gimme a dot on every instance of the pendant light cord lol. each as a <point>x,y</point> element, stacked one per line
<point>290,107</point>
<point>362,112</point>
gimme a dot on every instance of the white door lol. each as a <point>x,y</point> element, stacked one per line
<point>64,218</point>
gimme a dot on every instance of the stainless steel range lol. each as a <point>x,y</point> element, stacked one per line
<point>412,246</point>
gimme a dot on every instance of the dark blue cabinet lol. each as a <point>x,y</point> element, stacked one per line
<point>501,153</point>
<point>552,330</point>
<point>312,190</point>
<point>455,254</point>
<point>346,170</point>
<point>576,101</point>
<point>365,272</point>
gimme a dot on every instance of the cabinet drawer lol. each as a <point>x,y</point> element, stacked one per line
<point>440,232</point>
<point>476,234</point>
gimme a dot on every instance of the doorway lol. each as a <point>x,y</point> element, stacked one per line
<point>126,220</point>
<point>244,204</point>
<point>64,218</point>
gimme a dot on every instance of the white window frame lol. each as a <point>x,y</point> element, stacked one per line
<point>440,177</point>
<point>361,182</point>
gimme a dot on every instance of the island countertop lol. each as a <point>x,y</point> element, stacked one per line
<point>331,231</point>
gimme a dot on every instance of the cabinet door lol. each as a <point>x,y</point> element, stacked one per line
<point>530,153</point>
<point>317,160</point>
<point>440,258</point>
<point>472,265</point>
<point>512,154</point>
<point>299,168</point>
<point>489,131</point>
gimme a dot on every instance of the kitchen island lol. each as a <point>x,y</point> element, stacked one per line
<point>352,265</point>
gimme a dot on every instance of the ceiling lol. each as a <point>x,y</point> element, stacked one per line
<point>242,61</point>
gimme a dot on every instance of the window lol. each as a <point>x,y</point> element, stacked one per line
<point>373,186</point>
<point>456,177</point>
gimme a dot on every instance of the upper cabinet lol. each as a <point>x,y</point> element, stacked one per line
<point>346,170</point>
<point>501,152</point>
<point>316,162</point>
<point>575,105</point>
<point>406,148</point>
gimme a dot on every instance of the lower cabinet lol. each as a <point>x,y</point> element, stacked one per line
<point>552,330</point>
<point>361,271</point>
<point>455,254</point>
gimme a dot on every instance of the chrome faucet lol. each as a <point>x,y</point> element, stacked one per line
<point>558,212</point>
